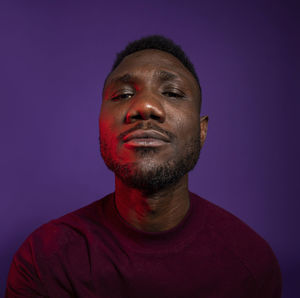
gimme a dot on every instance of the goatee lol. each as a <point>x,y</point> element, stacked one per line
<point>154,177</point>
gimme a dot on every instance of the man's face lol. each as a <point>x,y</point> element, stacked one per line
<point>149,121</point>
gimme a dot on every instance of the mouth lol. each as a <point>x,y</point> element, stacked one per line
<point>145,138</point>
<point>145,142</point>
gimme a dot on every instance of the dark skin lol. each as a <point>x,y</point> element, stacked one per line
<point>151,87</point>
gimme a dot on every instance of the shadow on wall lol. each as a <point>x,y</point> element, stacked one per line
<point>291,279</point>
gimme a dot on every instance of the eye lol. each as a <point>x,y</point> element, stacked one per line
<point>173,94</point>
<point>122,96</point>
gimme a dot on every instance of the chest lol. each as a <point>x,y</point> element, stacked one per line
<point>193,272</point>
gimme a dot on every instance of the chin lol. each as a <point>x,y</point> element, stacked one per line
<point>151,177</point>
<point>150,174</point>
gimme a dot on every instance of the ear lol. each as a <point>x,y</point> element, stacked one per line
<point>203,129</point>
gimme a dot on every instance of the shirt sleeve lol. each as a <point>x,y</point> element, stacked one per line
<point>23,278</point>
<point>272,282</point>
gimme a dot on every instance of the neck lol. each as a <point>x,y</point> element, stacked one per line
<point>157,212</point>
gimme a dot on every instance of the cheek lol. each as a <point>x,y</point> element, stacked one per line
<point>107,122</point>
<point>186,122</point>
<point>109,130</point>
<point>188,133</point>
<point>106,130</point>
<point>108,140</point>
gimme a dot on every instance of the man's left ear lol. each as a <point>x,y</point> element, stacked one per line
<point>203,129</point>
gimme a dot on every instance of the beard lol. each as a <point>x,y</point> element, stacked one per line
<point>152,177</point>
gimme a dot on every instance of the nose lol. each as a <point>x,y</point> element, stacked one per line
<point>145,106</point>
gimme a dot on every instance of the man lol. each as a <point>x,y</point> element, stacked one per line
<point>151,237</point>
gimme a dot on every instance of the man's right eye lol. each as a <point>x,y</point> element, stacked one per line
<point>122,96</point>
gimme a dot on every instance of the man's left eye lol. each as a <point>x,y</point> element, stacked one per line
<point>172,94</point>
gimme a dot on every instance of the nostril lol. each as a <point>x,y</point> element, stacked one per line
<point>137,116</point>
<point>133,118</point>
<point>143,110</point>
<point>155,117</point>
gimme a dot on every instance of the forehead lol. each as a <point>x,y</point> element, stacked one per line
<point>149,62</point>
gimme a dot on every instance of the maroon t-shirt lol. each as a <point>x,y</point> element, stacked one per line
<point>93,252</point>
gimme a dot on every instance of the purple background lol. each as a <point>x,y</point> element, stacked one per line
<point>54,58</point>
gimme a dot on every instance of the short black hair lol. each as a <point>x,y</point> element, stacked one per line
<point>157,42</point>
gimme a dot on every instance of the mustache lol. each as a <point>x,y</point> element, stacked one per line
<point>148,126</point>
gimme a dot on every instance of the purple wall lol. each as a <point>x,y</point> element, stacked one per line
<point>54,58</point>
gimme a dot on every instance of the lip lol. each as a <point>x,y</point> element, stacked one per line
<point>145,138</point>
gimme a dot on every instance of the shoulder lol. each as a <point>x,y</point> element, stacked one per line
<point>247,245</point>
<point>231,230</point>
<point>55,235</point>
<point>56,245</point>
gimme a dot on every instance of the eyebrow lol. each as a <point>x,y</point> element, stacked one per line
<point>161,75</point>
<point>126,78</point>
<point>165,76</point>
